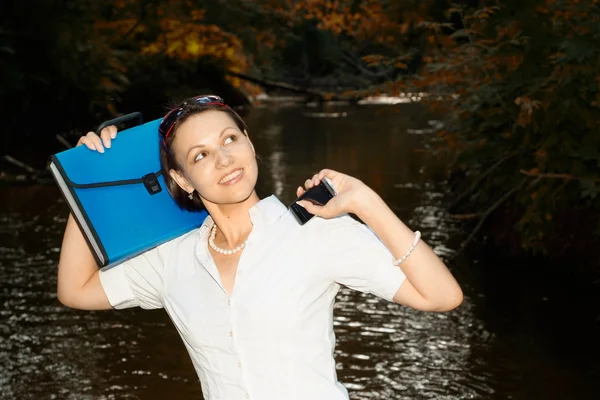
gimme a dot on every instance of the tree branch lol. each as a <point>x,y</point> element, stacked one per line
<point>552,175</point>
<point>22,165</point>
<point>63,141</point>
<point>277,85</point>
<point>352,61</point>
<point>481,178</point>
<point>487,212</point>
<point>292,88</point>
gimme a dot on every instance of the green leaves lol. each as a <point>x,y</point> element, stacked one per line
<point>589,189</point>
<point>578,50</point>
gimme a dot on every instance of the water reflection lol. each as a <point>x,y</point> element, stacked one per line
<point>383,351</point>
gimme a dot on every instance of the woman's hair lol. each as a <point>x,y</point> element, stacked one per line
<point>168,161</point>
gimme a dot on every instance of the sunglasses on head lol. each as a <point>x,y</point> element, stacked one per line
<point>168,122</point>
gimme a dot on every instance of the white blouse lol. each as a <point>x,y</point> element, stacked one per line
<point>273,338</point>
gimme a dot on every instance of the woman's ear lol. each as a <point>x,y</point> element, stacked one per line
<point>181,181</point>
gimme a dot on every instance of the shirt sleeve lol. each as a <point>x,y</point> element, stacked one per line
<point>353,256</point>
<point>137,282</point>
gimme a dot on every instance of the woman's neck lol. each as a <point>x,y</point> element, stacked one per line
<point>233,221</point>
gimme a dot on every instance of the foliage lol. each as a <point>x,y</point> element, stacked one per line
<point>518,85</point>
<point>85,55</point>
<point>520,81</point>
<point>517,81</point>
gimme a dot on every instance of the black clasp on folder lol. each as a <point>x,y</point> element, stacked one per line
<point>151,183</point>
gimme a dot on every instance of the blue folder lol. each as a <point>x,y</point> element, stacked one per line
<point>119,198</point>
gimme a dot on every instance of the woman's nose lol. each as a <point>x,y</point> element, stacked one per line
<point>224,159</point>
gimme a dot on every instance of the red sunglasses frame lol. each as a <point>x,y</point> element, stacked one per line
<point>170,119</point>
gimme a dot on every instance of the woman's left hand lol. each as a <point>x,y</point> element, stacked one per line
<point>351,192</point>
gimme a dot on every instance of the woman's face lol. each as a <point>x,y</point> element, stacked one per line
<point>216,158</point>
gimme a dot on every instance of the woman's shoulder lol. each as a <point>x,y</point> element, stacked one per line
<point>317,229</point>
<point>188,239</point>
<point>180,243</point>
<point>344,221</point>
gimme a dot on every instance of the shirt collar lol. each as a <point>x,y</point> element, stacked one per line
<point>263,213</point>
<point>268,210</point>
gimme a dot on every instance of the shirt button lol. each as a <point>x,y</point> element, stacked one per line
<point>247,396</point>
<point>239,364</point>
<point>228,302</point>
<point>230,334</point>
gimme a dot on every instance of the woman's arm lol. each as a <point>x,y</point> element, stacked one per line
<point>78,283</point>
<point>429,285</point>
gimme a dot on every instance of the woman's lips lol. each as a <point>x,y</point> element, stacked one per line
<point>232,177</point>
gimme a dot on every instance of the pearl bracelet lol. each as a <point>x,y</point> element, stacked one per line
<point>410,249</point>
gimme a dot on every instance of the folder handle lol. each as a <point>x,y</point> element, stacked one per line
<point>134,116</point>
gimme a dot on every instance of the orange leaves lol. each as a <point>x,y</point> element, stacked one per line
<point>540,8</point>
<point>373,59</point>
<point>371,20</point>
<point>541,156</point>
<point>527,106</point>
<point>335,22</point>
<point>448,137</point>
<point>526,79</point>
<point>486,12</point>
<point>189,40</point>
<point>177,29</point>
<point>514,61</point>
<point>404,28</point>
<point>507,31</point>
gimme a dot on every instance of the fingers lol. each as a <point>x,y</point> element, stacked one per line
<point>107,134</point>
<point>314,181</point>
<point>310,207</point>
<point>318,177</point>
<point>319,211</point>
<point>94,142</point>
<point>327,173</point>
<point>299,191</point>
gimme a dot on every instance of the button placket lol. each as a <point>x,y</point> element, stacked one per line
<point>240,278</point>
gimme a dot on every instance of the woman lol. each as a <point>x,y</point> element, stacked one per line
<point>251,292</point>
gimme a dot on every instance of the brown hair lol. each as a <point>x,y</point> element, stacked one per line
<point>167,158</point>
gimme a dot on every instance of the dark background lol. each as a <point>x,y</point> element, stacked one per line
<point>508,96</point>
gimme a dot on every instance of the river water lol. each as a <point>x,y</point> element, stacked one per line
<point>384,351</point>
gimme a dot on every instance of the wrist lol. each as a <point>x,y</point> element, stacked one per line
<point>365,202</point>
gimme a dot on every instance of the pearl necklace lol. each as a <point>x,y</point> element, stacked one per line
<point>211,243</point>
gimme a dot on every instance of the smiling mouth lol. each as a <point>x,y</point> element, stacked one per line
<point>232,178</point>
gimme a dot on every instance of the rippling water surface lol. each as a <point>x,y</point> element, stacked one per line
<point>383,351</point>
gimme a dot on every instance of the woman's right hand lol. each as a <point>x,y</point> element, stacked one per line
<point>98,143</point>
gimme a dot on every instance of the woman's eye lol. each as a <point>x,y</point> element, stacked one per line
<point>200,156</point>
<point>230,139</point>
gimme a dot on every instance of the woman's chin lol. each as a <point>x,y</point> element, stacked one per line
<point>234,194</point>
